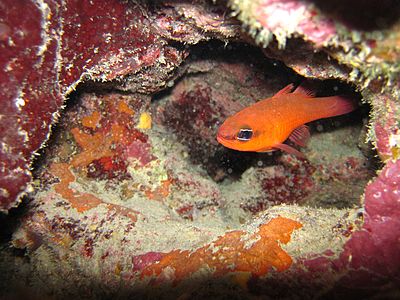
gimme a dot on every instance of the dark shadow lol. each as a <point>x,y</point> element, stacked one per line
<point>363,15</point>
<point>10,221</point>
<point>279,286</point>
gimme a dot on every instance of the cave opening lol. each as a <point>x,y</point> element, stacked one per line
<point>220,80</point>
<point>215,81</point>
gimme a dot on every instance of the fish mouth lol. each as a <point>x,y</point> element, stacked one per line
<point>225,140</point>
<point>220,139</point>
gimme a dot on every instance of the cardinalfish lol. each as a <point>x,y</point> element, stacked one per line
<point>267,124</point>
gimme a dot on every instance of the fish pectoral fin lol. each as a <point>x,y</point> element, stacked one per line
<point>289,150</point>
<point>300,135</point>
<point>304,91</point>
<point>286,90</point>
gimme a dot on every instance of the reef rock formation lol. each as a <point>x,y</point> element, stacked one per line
<point>108,121</point>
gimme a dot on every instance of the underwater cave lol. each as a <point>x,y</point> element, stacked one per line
<point>132,195</point>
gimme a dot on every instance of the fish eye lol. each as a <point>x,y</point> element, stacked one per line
<point>244,134</point>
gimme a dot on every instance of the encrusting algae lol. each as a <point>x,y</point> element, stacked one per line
<point>231,253</point>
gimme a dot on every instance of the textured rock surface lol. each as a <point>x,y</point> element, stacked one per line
<point>133,196</point>
<point>61,43</point>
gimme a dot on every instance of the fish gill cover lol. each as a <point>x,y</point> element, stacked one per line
<point>111,175</point>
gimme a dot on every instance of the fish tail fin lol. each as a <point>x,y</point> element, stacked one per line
<point>339,105</point>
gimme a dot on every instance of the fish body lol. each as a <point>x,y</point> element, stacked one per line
<point>265,125</point>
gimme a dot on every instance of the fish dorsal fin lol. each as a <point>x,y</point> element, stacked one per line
<point>300,135</point>
<point>304,91</point>
<point>290,150</point>
<point>286,90</point>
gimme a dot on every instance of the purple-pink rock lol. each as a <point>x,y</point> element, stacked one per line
<point>44,55</point>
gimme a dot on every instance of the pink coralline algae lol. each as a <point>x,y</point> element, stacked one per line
<point>140,262</point>
<point>375,248</point>
<point>285,18</point>
<point>288,183</point>
<point>139,150</point>
<point>44,57</point>
<point>370,260</point>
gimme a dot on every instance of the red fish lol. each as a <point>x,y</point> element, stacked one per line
<point>267,124</point>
